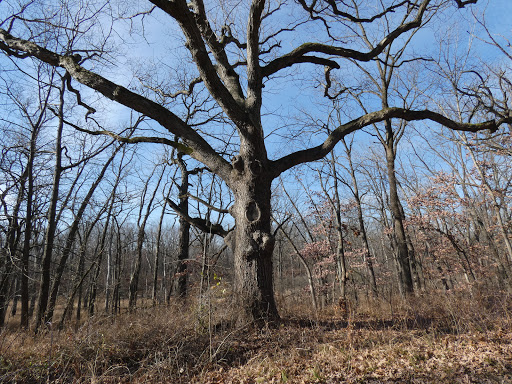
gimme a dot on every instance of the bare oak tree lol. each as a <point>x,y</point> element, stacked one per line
<point>234,61</point>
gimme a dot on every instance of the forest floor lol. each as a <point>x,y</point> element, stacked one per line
<point>425,340</point>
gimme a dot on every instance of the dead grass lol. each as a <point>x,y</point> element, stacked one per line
<point>442,339</point>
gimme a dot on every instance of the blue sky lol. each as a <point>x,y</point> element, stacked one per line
<point>288,101</point>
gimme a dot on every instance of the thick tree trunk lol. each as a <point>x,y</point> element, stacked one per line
<point>252,243</point>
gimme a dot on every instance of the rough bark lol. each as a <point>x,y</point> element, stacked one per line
<point>5,282</point>
<point>252,242</point>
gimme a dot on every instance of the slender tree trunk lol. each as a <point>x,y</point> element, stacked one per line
<point>44,288</point>
<point>412,255</point>
<point>184,230</point>
<point>204,283</point>
<point>108,277</point>
<point>134,279</point>
<point>438,266</point>
<point>342,264</point>
<point>413,263</point>
<point>497,207</point>
<point>117,275</point>
<point>402,252</point>
<point>93,289</point>
<point>340,249</point>
<point>463,255</point>
<point>25,258</point>
<point>5,283</point>
<point>13,238</point>
<point>16,294</point>
<point>172,273</point>
<point>362,227</point>
<point>80,275</point>
<point>70,240</point>
<point>484,232</point>
<point>157,252</point>
<point>77,290</point>
<point>309,275</point>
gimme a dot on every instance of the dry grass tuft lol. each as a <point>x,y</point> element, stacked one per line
<point>437,338</point>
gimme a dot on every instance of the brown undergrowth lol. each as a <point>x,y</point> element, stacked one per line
<point>431,339</point>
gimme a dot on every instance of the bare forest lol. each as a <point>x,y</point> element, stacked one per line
<point>265,191</point>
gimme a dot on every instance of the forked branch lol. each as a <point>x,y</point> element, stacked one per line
<point>300,54</point>
<point>318,152</point>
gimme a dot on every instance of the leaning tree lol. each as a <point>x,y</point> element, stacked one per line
<point>235,51</point>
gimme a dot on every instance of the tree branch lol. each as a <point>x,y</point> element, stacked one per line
<point>221,80</point>
<point>337,12</point>
<point>184,92</point>
<point>318,152</point>
<point>254,78</point>
<point>208,205</point>
<point>202,224</point>
<point>463,3</point>
<point>297,55</point>
<point>201,150</point>
<point>134,140</point>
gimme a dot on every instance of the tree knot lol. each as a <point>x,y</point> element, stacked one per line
<point>252,212</point>
<point>265,241</point>
<point>255,167</point>
<point>237,163</point>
